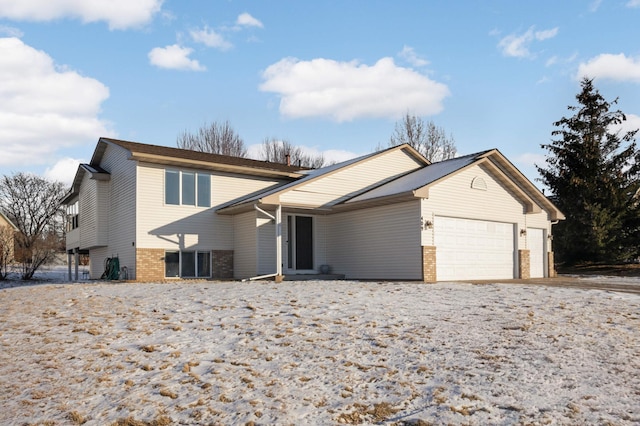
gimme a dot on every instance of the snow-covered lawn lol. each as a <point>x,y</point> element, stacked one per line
<point>317,353</point>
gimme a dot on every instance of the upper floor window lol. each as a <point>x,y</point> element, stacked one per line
<point>187,188</point>
<point>72,216</point>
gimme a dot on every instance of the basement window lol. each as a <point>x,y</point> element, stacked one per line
<point>187,264</point>
<point>187,188</point>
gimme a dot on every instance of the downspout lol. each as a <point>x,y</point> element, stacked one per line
<point>279,276</point>
<point>278,221</point>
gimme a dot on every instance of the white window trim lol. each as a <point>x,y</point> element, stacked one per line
<point>196,175</point>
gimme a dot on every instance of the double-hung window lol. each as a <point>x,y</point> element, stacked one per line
<point>187,188</point>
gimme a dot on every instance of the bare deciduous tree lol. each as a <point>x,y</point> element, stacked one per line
<point>276,151</point>
<point>427,138</point>
<point>214,138</point>
<point>6,250</point>
<point>32,203</point>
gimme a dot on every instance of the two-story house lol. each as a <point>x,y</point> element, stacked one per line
<point>169,213</point>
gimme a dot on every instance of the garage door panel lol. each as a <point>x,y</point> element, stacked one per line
<point>473,249</point>
<point>537,250</point>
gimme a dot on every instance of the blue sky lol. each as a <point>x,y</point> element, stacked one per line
<point>331,76</point>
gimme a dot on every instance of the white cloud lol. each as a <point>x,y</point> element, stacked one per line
<point>174,57</point>
<point>633,3</point>
<point>119,14</point>
<point>43,108</point>
<point>10,31</point>
<point>63,171</point>
<point>529,159</point>
<point>345,91</point>
<point>595,5</point>
<point>630,124</point>
<point>210,38</point>
<point>246,20</point>
<point>515,45</point>
<point>408,54</point>
<point>612,67</point>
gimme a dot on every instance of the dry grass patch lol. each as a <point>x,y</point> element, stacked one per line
<point>168,393</point>
<point>76,418</point>
<point>130,421</point>
<point>363,413</point>
<point>148,348</point>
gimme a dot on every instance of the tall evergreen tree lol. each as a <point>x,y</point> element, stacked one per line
<point>593,172</point>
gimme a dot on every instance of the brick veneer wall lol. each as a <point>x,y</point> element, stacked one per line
<point>551,265</point>
<point>149,264</point>
<point>524,264</point>
<point>222,263</point>
<point>429,264</point>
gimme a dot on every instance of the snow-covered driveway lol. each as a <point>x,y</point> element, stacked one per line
<point>318,353</point>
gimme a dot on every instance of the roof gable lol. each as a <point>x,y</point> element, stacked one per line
<point>417,183</point>
<point>322,188</point>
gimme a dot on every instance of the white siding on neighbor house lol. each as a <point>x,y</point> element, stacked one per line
<point>454,197</point>
<point>173,227</point>
<point>339,185</point>
<point>244,245</point>
<point>122,208</point>
<point>376,243</point>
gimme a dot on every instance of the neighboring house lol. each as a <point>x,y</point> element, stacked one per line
<point>167,212</point>
<point>7,239</point>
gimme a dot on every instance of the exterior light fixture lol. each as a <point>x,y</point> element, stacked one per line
<point>426,224</point>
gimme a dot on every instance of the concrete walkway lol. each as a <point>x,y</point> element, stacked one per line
<point>588,282</point>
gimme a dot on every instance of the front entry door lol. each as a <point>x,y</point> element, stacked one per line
<point>300,247</point>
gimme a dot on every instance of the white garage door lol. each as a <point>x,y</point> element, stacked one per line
<point>473,249</point>
<point>535,242</point>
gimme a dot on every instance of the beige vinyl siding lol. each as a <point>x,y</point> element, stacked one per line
<point>72,238</point>
<point>339,185</point>
<point>454,197</point>
<point>96,266</point>
<point>171,227</point>
<point>244,241</point>
<point>88,212</point>
<point>377,243</point>
<point>266,256</point>
<point>320,241</point>
<point>93,213</point>
<point>122,207</point>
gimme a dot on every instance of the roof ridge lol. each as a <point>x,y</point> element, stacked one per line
<point>199,155</point>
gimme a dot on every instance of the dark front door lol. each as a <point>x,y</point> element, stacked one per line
<point>300,232</point>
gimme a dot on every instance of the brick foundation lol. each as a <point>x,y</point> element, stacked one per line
<point>222,263</point>
<point>524,264</point>
<point>149,264</point>
<point>429,264</point>
<point>551,265</point>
